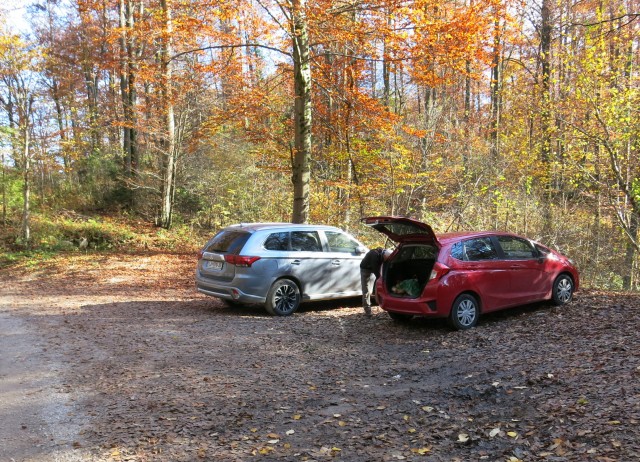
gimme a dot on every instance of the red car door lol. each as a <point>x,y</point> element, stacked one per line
<point>528,281</point>
<point>480,269</point>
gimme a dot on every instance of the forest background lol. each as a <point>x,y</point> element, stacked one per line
<point>135,124</point>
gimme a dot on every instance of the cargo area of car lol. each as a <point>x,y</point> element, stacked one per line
<point>411,261</point>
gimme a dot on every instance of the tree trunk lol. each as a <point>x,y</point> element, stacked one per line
<point>630,254</point>
<point>26,188</point>
<point>169,143</point>
<point>128,91</point>
<point>301,168</point>
<point>545,113</point>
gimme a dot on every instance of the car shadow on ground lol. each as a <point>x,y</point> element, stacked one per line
<point>202,309</point>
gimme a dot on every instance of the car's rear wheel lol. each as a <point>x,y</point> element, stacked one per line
<point>400,317</point>
<point>283,298</point>
<point>562,289</point>
<point>464,312</point>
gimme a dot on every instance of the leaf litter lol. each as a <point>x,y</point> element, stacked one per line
<point>163,373</point>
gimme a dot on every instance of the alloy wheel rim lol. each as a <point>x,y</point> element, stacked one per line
<point>466,312</point>
<point>564,290</point>
<point>285,298</point>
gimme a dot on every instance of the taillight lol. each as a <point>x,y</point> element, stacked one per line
<point>241,260</point>
<point>200,254</point>
<point>438,271</point>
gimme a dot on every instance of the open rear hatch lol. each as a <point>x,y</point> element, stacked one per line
<point>403,229</point>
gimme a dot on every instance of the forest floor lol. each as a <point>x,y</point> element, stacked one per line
<point>115,357</point>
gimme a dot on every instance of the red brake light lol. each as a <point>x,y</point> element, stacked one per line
<point>200,254</point>
<point>241,260</point>
<point>438,271</point>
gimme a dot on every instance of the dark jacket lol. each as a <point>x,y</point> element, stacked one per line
<point>372,261</point>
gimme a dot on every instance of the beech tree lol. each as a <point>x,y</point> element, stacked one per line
<point>18,89</point>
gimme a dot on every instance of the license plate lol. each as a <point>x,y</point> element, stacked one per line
<point>212,265</point>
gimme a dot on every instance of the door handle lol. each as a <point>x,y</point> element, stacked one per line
<point>295,262</point>
<point>336,262</point>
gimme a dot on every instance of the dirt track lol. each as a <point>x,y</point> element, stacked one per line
<point>119,359</point>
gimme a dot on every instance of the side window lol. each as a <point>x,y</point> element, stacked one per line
<point>475,250</point>
<point>456,251</point>
<point>277,241</point>
<point>306,241</point>
<point>515,248</point>
<point>339,242</point>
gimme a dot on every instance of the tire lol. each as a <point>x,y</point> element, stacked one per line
<point>464,312</point>
<point>562,289</point>
<point>283,298</point>
<point>400,317</point>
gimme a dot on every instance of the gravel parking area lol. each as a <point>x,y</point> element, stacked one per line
<point>114,357</point>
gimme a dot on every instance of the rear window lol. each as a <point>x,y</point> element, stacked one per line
<point>228,241</point>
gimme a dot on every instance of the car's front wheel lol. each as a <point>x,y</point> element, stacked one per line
<point>464,312</point>
<point>562,289</point>
<point>283,298</point>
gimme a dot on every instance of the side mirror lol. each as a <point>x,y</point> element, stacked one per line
<point>361,250</point>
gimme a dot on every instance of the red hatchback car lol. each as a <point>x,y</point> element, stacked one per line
<point>460,275</point>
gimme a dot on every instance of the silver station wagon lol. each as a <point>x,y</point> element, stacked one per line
<point>280,265</point>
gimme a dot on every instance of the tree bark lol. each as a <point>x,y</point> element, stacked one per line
<point>545,113</point>
<point>26,188</point>
<point>169,143</point>
<point>301,168</point>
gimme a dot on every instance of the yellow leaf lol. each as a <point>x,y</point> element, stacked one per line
<point>297,417</point>
<point>342,423</point>
<point>422,451</point>
<point>412,430</point>
<point>512,434</point>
